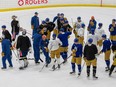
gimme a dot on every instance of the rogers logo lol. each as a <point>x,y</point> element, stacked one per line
<point>20,2</point>
<point>31,2</point>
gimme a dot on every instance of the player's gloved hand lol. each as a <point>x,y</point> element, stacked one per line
<point>2,54</point>
<point>111,29</point>
<point>74,51</point>
<point>11,48</point>
<point>32,27</point>
<point>73,54</point>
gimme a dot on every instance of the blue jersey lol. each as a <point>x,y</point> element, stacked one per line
<point>35,22</point>
<point>44,43</point>
<point>6,44</point>
<point>114,43</point>
<point>64,38</point>
<point>55,18</point>
<point>106,45</point>
<point>78,48</point>
<point>114,31</point>
<point>36,39</point>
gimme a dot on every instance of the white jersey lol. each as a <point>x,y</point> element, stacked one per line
<point>94,37</point>
<point>78,25</point>
<point>99,32</point>
<point>81,32</point>
<point>54,44</point>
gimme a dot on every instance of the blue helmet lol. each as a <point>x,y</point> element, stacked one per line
<point>47,19</point>
<point>104,36</point>
<point>3,26</point>
<point>36,12</point>
<point>82,25</point>
<point>76,40</point>
<point>54,35</point>
<point>79,17</point>
<point>61,19</point>
<point>62,14</point>
<point>100,24</point>
<point>43,22</point>
<point>114,20</point>
<point>90,40</point>
<point>62,29</point>
<point>65,21</point>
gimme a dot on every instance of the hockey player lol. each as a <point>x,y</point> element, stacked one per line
<point>43,28</point>
<point>91,26</point>
<point>56,17</point>
<point>77,26</point>
<point>63,36</point>
<point>15,27</point>
<point>99,32</point>
<point>114,57</point>
<point>6,52</point>
<point>36,45</point>
<point>50,27</point>
<point>6,33</point>
<point>44,46</point>
<point>89,54</point>
<point>76,56</point>
<point>81,34</point>
<point>93,36</point>
<point>54,50</point>
<point>106,50</point>
<point>112,30</point>
<point>66,26</point>
<point>23,46</point>
<point>35,23</point>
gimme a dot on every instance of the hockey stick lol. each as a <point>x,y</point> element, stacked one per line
<point>34,59</point>
<point>42,67</point>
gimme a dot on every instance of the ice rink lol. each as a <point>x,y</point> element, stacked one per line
<point>31,77</point>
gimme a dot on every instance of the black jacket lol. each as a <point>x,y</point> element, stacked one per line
<point>15,26</point>
<point>90,51</point>
<point>7,35</point>
<point>23,43</point>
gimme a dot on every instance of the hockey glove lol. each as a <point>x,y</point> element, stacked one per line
<point>2,54</point>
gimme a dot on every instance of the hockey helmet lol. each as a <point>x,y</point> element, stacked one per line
<point>90,40</point>
<point>4,26</point>
<point>82,25</point>
<point>79,18</point>
<point>54,36</point>
<point>47,19</point>
<point>100,24</point>
<point>62,29</point>
<point>76,40</point>
<point>24,32</point>
<point>43,22</point>
<point>104,36</point>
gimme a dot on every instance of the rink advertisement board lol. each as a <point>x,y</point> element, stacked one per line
<point>20,4</point>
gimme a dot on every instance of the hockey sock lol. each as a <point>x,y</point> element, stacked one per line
<point>107,63</point>
<point>58,60</point>
<point>88,70</point>
<point>111,70</point>
<point>73,67</point>
<point>64,55</point>
<point>94,70</point>
<point>79,68</point>
<point>53,61</point>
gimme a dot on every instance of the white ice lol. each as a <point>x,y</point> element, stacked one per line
<point>31,77</point>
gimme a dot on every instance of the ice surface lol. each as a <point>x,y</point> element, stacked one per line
<point>31,77</point>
